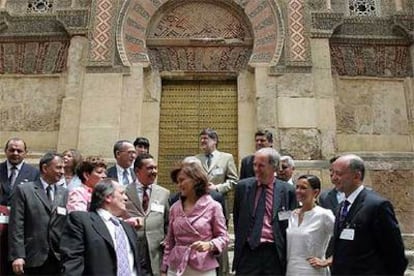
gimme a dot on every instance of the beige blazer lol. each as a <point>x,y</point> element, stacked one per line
<point>222,171</point>
<point>155,221</point>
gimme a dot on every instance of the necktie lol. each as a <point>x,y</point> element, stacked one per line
<point>209,156</point>
<point>125,179</point>
<point>145,198</point>
<point>49,193</point>
<point>121,249</point>
<point>343,214</point>
<point>256,231</point>
<point>13,176</point>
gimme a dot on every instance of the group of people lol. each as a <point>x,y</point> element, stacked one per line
<point>75,216</point>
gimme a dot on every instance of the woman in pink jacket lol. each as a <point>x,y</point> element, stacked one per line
<point>197,231</point>
<point>90,172</point>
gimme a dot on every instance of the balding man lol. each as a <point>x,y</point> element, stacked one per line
<point>367,237</point>
<point>124,154</point>
<point>260,213</point>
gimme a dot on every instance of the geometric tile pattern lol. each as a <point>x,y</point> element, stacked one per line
<point>296,30</point>
<point>34,57</point>
<point>362,7</point>
<point>101,42</point>
<point>264,17</point>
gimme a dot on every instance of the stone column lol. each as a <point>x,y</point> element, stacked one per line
<point>324,93</point>
<point>266,102</point>
<point>132,101</point>
<point>71,104</point>
<point>3,4</point>
<point>398,5</point>
<point>246,104</point>
<point>150,114</point>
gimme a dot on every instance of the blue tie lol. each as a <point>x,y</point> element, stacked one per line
<point>125,179</point>
<point>343,214</point>
<point>121,249</point>
<point>256,232</point>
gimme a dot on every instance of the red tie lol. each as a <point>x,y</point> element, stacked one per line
<point>145,198</point>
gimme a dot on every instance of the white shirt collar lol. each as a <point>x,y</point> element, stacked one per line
<point>18,166</point>
<point>104,214</point>
<point>351,198</point>
<point>45,185</point>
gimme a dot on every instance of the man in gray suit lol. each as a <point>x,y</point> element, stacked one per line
<point>125,154</point>
<point>148,204</point>
<point>222,175</point>
<point>38,213</point>
<point>261,211</point>
<point>14,170</point>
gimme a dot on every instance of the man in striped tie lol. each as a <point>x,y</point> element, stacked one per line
<point>98,242</point>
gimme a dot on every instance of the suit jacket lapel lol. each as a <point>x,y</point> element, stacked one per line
<point>278,196</point>
<point>41,194</point>
<point>214,159</point>
<point>60,194</point>
<point>99,225</point>
<point>356,205</point>
<point>251,193</point>
<point>132,193</point>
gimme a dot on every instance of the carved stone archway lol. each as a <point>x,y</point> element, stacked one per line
<point>262,18</point>
<point>199,36</point>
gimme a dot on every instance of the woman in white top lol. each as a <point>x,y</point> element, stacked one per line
<point>309,231</point>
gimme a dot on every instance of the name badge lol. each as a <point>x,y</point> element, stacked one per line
<point>217,171</point>
<point>284,215</point>
<point>157,208</point>
<point>4,219</point>
<point>61,211</point>
<point>347,234</point>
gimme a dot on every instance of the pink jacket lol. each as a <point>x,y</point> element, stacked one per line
<point>79,199</point>
<point>205,223</point>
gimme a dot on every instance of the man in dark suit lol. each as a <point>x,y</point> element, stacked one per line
<point>38,213</point>
<point>260,229</point>
<point>263,139</point>
<point>14,170</point>
<point>125,154</point>
<point>367,237</point>
<point>97,242</point>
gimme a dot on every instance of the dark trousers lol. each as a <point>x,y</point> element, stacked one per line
<point>260,261</point>
<point>50,267</point>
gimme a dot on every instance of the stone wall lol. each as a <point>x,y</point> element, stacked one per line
<point>30,108</point>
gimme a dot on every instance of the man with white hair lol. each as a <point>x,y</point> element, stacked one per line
<point>286,169</point>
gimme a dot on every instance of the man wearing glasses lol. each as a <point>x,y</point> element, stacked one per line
<point>125,154</point>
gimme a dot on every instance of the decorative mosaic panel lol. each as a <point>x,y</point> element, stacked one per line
<point>102,44</point>
<point>297,42</point>
<point>37,57</point>
<point>40,6</point>
<point>363,7</point>
<point>262,16</point>
<point>371,60</point>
